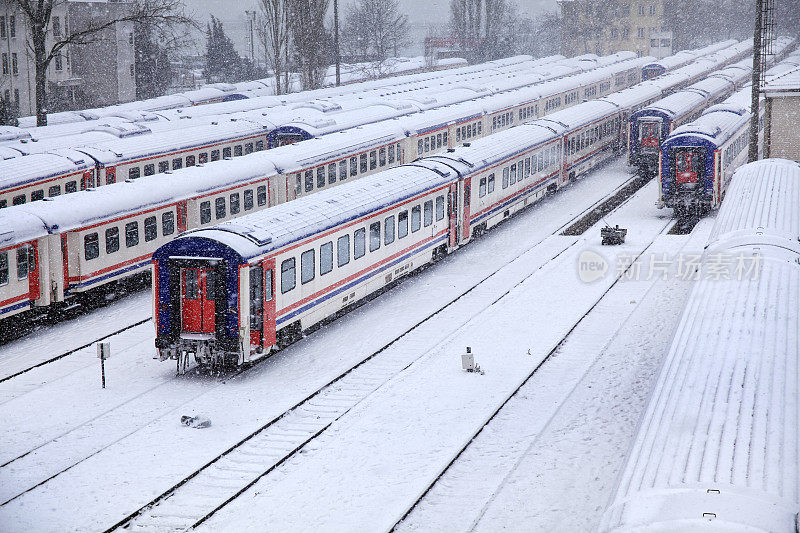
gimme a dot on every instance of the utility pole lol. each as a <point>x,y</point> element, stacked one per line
<point>336,40</point>
<point>251,17</point>
<point>762,46</point>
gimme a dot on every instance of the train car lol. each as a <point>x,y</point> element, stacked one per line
<point>44,176</point>
<point>680,59</point>
<point>230,293</point>
<point>698,159</point>
<point>717,446</point>
<point>20,272</point>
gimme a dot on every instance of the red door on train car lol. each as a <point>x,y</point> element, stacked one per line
<point>111,175</point>
<point>198,308</point>
<point>467,195</point>
<point>269,303</point>
<point>687,167</point>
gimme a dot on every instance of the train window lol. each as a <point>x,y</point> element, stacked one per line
<point>374,236</point>
<point>320,177</point>
<point>505,177</point>
<point>91,246</point>
<point>440,206</point>
<point>359,243</point>
<point>259,146</point>
<point>298,184</point>
<point>168,223</point>
<point>22,262</point>
<point>268,285</point>
<point>391,154</point>
<point>343,250</point>
<point>494,123</point>
<point>540,166</point>
<point>307,266</point>
<point>309,180</point>
<point>235,203</point>
<point>416,218</point>
<point>237,150</point>
<point>150,229</point>
<point>134,173</point>
<point>261,195</point>
<point>438,140</point>
<point>402,224</point>
<point>353,166</point>
<point>465,132</point>
<point>3,268</point>
<point>150,169</point>
<point>190,285</point>
<point>382,157</point>
<point>474,129</point>
<point>215,155</point>
<point>71,186</point>
<point>325,258</point>
<point>373,160</point>
<point>226,152</point>
<point>288,276</point>
<point>202,157</point>
<point>332,173</point>
<point>36,195</point>
<point>112,240</point>
<point>177,163</point>
<point>521,167</point>
<point>428,213</point>
<point>482,188</point>
<point>219,207</point>
<point>131,234</point>
<point>427,144</point>
<point>397,150</point>
<point>513,175</point>
<point>18,200</point>
<point>190,161</point>
<point>527,167</point>
<point>248,148</point>
<point>458,134</point>
<point>480,128</point>
<point>489,187</point>
<point>343,169</point>
<point>362,163</point>
<point>163,166</point>
<point>248,199</point>
<point>420,146</point>
<point>388,230</point>
<point>205,212</point>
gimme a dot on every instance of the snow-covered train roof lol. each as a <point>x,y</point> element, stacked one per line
<point>718,446</point>
<point>578,115</point>
<point>20,171</point>
<point>13,133</point>
<point>634,97</point>
<point>761,207</point>
<point>263,231</point>
<point>17,227</point>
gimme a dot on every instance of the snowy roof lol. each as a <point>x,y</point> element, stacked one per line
<point>263,231</point>
<point>786,84</point>
<point>33,168</point>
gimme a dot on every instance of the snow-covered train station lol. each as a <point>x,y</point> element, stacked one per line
<point>520,285</point>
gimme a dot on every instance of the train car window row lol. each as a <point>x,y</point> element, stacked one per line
<point>537,162</point>
<point>590,92</point>
<point>26,263</point>
<point>605,86</point>
<point>421,215</point>
<point>552,103</point>
<point>735,149</point>
<point>326,174</point>
<point>503,120</point>
<point>570,97</point>
<point>527,112</point>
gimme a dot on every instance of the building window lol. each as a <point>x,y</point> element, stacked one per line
<point>132,71</point>
<point>626,10</point>
<point>652,10</point>
<point>2,27</point>
<point>614,33</point>
<point>641,10</point>
<point>626,33</point>
<point>640,33</point>
<point>57,26</point>
<point>130,38</point>
<point>12,26</point>
<point>5,64</point>
<point>59,62</point>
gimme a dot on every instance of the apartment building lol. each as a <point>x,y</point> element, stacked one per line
<point>607,26</point>
<point>95,74</point>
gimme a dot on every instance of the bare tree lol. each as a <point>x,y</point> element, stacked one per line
<point>310,40</point>
<point>375,30</point>
<point>273,32</point>
<point>161,13</point>
<point>481,27</point>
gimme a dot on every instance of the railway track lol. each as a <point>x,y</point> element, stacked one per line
<point>198,496</point>
<point>485,423</point>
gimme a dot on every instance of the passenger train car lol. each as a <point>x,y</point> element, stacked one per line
<point>680,59</point>
<point>85,249</point>
<point>650,126</point>
<point>717,446</point>
<point>231,292</point>
<point>698,159</point>
<point>141,156</point>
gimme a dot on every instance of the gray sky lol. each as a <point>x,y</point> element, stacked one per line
<point>420,14</point>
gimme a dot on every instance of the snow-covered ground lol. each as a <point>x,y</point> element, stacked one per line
<point>82,457</point>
